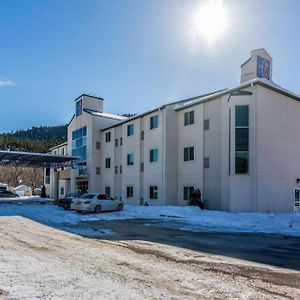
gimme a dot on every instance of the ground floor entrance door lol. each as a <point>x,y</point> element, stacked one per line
<point>82,186</point>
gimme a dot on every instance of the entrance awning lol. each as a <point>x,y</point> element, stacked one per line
<point>36,160</point>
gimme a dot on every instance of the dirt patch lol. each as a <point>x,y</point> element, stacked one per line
<point>3,295</point>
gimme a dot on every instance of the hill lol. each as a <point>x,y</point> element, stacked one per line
<point>35,139</point>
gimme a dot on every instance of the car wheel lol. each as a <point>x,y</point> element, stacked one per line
<point>98,209</point>
<point>120,206</point>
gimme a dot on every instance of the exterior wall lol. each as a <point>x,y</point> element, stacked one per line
<point>212,150</point>
<point>131,174</point>
<point>241,198</point>
<point>118,163</point>
<point>190,173</point>
<point>107,151</point>
<point>170,166</point>
<point>78,122</point>
<point>278,144</point>
<point>92,103</point>
<point>153,171</point>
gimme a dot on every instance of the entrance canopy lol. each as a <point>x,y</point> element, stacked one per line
<point>36,160</point>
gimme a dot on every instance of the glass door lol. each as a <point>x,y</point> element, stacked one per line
<point>297,200</point>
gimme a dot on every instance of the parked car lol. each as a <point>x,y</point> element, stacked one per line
<point>96,203</point>
<point>8,194</point>
<point>66,202</point>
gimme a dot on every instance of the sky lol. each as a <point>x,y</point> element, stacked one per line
<point>136,54</point>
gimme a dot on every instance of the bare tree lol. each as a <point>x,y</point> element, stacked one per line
<point>33,177</point>
<point>13,176</point>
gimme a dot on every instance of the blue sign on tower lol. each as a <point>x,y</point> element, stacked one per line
<point>263,68</point>
<point>79,107</point>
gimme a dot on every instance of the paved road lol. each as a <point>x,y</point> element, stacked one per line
<point>268,249</point>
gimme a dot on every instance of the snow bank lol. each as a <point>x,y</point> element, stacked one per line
<point>183,218</point>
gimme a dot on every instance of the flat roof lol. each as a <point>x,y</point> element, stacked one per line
<point>35,160</point>
<point>90,96</point>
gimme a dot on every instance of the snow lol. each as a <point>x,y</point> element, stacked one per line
<point>183,218</point>
<point>40,262</point>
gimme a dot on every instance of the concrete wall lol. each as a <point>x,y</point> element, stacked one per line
<point>153,171</point>
<point>278,144</point>
<point>190,173</point>
<point>241,184</point>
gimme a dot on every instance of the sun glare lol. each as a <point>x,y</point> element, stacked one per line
<point>211,20</point>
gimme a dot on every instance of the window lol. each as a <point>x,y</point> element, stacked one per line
<point>63,151</point>
<point>107,137</point>
<point>189,118</point>
<point>97,170</point>
<point>153,192</point>
<point>154,122</point>
<point>142,167</point>
<point>130,192</point>
<point>153,155</point>
<point>116,142</point>
<point>130,159</point>
<point>107,163</point>
<point>189,153</point>
<point>206,124</point>
<point>130,129</point>
<point>121,169</point>
<point>241,139</point>
<point>79,144</point>
<point>62,190</point>
<point>121,141</point>
<point>187,192</point>
<point>241,162</point>
<point>116,169</point>
<point>206,162</point>
<point>98,145</point>
<point>107,190</point>
<point>142,135</point>
<point>47,176</point>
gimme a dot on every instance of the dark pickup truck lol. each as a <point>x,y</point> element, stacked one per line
<point>66,202</point>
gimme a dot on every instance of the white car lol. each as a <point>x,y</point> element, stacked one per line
<point>96,203</point>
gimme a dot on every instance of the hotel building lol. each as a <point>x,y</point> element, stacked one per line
<point>239,146</point>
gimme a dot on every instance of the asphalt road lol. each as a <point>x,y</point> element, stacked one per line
<point>267,249</point>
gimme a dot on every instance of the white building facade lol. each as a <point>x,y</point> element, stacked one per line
<point>239,146</point>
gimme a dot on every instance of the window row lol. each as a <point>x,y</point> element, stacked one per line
<point>153,157</point>
<point>153,191</point>
<point>154,120</point>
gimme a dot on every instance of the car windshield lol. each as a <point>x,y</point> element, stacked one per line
<point>88,196</point>
<point>74,195</point>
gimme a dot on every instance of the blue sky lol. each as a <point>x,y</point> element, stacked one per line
<point>136,54</point>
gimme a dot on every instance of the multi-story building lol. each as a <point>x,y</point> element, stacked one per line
<point>239,146</point>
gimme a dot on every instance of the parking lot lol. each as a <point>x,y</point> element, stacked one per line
<point>137,257</point>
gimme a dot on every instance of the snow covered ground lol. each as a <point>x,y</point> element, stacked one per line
<point>41,262</point>
<point>184,218</point>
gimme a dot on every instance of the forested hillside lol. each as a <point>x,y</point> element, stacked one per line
<point>35,139</point>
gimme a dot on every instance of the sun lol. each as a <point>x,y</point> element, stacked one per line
<point>210,20</point>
